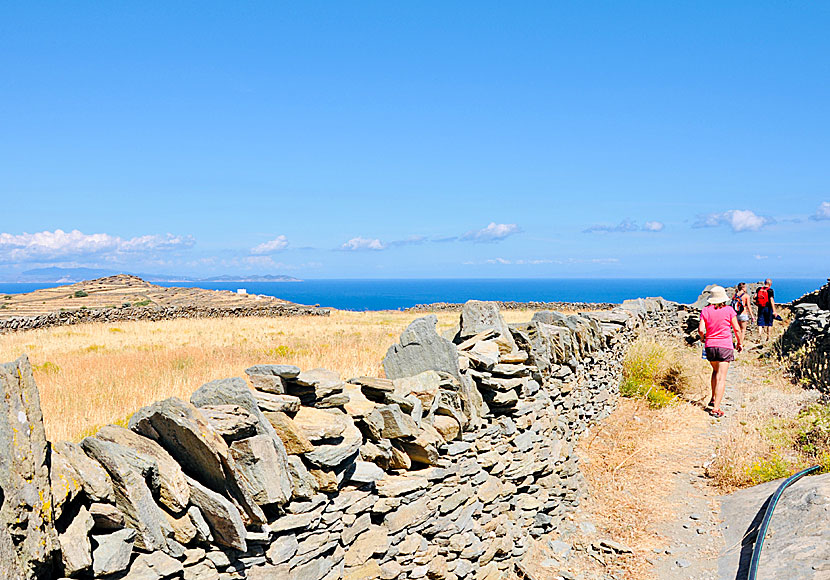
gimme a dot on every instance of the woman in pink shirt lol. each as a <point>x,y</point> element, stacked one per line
<point>717,321</point>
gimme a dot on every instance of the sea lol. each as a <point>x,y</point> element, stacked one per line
<point>394,294</point>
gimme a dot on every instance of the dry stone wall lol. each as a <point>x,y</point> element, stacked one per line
<point>806,341</point>
<point>150,313</point>
<point>444,469</point>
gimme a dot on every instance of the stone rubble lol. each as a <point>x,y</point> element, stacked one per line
<point>445,469</point>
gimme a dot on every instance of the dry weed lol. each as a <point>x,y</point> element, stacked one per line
<point>757,444</point>
<point>662,370</point>
<point>629,461</point>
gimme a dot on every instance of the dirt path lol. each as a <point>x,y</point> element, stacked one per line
<point>695,534</point>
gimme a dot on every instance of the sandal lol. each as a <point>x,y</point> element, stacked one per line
<point>716,413</point>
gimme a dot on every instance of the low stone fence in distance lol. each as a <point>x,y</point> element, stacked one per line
<point>512,305</point>
<point>444,469</point>
<point>151,313</point>
<point>806,342</point>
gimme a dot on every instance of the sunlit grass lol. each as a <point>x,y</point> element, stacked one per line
<point>94,374</point>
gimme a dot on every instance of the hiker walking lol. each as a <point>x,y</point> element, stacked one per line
<point>740,304</point>
<point>717,321</point>
<point>765,301</point>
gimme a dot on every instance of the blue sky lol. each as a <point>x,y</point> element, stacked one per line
<point>462,139</point>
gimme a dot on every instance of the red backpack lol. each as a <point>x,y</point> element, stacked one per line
<point>762,297</point>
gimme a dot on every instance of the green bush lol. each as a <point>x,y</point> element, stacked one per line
<point>651,373</point>
<point>47,367</point>
<point>769,469</point>
<point>281,351</point>
<point>813,436</point>
<point>144,302</point>
<point>80,294</point>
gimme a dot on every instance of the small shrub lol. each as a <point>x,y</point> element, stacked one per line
<point>80,294</point>
<point>280,351</point>
<point>3,306</point>
<point>95,348</point>
<point>7,297</point>
<point>813,435</point>
<point>656,396</point>
<point>91,431</point>
<point>47,367</point>
<point>654,372</point>
<point>125,305</point>
<point>83,308</point>
<point>144,302</point>
<point>182,364</point>
<point>769,469</point>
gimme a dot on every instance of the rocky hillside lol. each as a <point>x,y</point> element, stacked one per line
<point>125,297</point>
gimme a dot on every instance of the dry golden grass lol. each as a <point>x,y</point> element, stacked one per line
<point>93,374</point>
<point>629,461</point>
<point>664,370</point>
<point>757,444</point>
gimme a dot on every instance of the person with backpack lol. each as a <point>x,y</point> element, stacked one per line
<point>717,321</point>
<point>740,304</point>
<point>765,301</point>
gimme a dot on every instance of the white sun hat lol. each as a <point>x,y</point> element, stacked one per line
<point>717,295</point>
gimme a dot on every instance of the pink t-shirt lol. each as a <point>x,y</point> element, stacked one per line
<point>718,323</point>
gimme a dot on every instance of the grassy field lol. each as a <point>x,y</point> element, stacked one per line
<point>93,374</point>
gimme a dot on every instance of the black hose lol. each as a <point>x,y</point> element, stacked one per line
<point>762,529</point>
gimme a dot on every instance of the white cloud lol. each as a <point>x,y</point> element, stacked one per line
<point>154,243</point>
<point>740,220</point>
<point>823,211</point>
<point>275,245</point>
<point>411,240</point>
<point>498,261</point>
<point>492,233</point>
<point>360,243</point>
<point>760,257</point>
<point>627,225</point>
<point>50,246</point>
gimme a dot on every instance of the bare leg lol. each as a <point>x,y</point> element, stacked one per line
<point>719,384</point>
<point>742,324</point>
<point>714,381</point>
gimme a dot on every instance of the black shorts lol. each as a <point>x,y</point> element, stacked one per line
<point>719,354</point>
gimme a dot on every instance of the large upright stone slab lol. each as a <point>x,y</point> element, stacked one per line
<point>185,433</point>
<point>478,316</point>
<point>235,392</point>
<point>173,488</point>
<point>94,478</point>
<point>258,459</point>
<point>27,534</point>
<point>132,496</point>
<point>421,349</point>
<point>221,515</point>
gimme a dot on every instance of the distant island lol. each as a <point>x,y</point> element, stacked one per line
<point>59,275</point>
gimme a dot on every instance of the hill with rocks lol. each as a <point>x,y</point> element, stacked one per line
<point>126,297</point>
